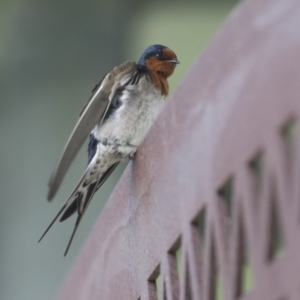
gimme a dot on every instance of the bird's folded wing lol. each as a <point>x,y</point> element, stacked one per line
<point>93,113</point>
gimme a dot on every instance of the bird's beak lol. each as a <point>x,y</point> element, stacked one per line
<point>173,61</point>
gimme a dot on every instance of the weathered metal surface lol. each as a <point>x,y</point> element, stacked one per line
<point>217,177</point>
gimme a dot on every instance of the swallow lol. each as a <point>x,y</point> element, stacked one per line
<point>116,117</point>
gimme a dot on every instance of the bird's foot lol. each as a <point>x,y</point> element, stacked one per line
<point>131,155</point>
<point>132,146</point>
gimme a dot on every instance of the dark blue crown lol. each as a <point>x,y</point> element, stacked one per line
<point>154,50</point>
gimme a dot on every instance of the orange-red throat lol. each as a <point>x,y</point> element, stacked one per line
<point>160,62</point>
<point>164,65</point>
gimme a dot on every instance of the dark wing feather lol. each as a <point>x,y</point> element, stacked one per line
<point>94,90</point>
<point>93,113</point>
<point>92,147</point>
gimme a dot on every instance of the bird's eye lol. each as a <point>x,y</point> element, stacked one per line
<point>157,55</point>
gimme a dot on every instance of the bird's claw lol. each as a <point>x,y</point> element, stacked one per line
<point>132,146</point>
<point>131,155</point>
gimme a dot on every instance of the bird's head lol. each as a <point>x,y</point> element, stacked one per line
<point>158,59</point>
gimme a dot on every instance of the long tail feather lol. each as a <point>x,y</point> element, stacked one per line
<point>79,201</point>
<point>106,175</point>
<point>86,201</point>
<point>71,209</point>
<point>71,197</point>
<point>53,221</point>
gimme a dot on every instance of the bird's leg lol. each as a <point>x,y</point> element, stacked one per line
<point>127,150</point>
<point>132,146</point>
<point>132,153</point>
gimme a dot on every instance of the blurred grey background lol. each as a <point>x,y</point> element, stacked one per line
<point>52,53</point>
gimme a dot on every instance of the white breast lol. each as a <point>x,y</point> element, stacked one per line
<point>130,123</point>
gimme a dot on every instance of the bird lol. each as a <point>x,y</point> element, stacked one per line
<point>116,118</point>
